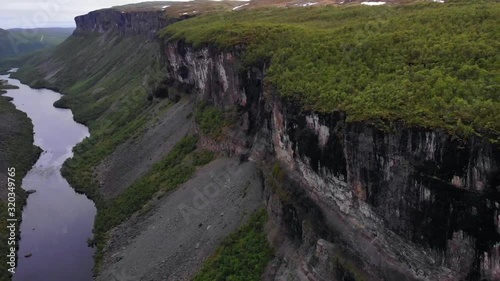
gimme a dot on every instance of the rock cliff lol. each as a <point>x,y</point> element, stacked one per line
<point>407,202</point>
<point>355,200</point>
<point>143,23</point>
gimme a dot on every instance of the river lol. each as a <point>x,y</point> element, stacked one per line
<point>57,221</point>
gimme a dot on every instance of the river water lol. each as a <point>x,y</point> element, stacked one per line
<point>57,221</point>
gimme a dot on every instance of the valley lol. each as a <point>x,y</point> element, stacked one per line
<point>278,141</point>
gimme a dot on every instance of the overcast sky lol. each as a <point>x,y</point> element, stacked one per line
<point>49,13</point>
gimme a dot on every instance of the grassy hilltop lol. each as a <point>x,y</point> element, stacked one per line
<point>427,64</point>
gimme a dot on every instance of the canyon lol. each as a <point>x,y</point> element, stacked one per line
<point>346,200</point>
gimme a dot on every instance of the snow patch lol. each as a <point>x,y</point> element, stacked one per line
<point>373,3</point>
<point>438,1</point>
<point>240,6</point>
<point>309,4</point>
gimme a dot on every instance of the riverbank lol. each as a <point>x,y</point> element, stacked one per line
<point>16,150</point>
<point>57,221</point>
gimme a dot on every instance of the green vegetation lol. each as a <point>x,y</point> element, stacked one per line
<point>242,256</point>
<point>176,168</point>
<point>346,269</point>
<point>200,158</point>
<point>103,86</point>
<point>18,42</point>
<point>104,91</point>
<point>16,150</point>
<point>427,64</point>
<point>276,180</point>
<point>165,175</point>
<point>211,120</point>
<point>4,86</point>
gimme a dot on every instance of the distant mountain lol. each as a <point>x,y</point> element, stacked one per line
<point>14,42</point>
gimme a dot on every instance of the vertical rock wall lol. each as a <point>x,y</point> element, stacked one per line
<point>411,201</point>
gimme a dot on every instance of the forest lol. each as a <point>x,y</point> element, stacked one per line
<point>433,65</point>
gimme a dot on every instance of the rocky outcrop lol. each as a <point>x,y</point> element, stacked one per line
<point>408,202</point>
<point>354,199</point>
<point>142,23</point>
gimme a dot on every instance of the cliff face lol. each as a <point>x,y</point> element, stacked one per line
<point>405,201</point>
<point>398,203</point>
<point>143,23</point>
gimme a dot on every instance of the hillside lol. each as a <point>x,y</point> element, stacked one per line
<point>15,42</point>
<point>370,133</point>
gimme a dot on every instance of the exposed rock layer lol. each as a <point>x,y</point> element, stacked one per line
<point>408,201</point>
<point>145,23</point>
<point>399,203</point>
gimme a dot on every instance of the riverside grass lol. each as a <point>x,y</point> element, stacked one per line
<point>110,98</point>
<point>18,151</point>
<point>431,65</point>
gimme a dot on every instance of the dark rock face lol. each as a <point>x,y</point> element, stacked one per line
<point>409,202</point>
<point>144,23</point>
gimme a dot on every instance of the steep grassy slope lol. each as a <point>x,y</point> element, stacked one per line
<point>102,79</point>
<point>103,87</point>
<point>428,64</point>
<point>16,150</point>
<point>15,42</point>
<point>106,80</point>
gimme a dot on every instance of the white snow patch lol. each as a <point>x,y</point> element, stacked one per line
<point>164,7</point>
<point>193,12</point>
<point>240,6</point>
<point>309,4</point>
<point>373,3</point>
<point>438,1</point>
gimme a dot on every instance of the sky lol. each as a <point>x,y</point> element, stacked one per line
<point>50,13</point>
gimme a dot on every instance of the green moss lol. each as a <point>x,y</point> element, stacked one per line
<point>429,64</point>
<point>211,120</point>
<point>200,158</point>
<point>276,180</point>
<point>243,255</point>
<point>346,270</point>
